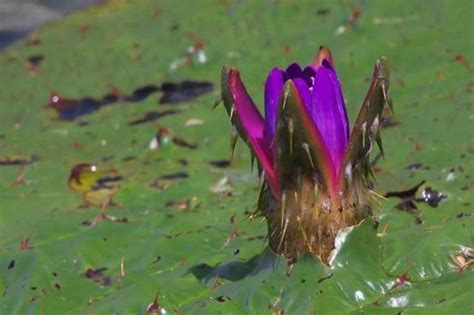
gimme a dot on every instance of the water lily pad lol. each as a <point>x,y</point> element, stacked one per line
<point>50,262</point>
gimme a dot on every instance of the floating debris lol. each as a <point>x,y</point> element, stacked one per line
<point>25,244</point>
<point>401,281</point>
<point>17,160</point>
<point>184,205</point>
<point>222,186</point>
<point>405,194</point>
<point>129,158</point>
<point>160,184</point>
<point>185,91</point>
<point>407,203</point>
<point>84,29</point>
<point>177,175</point>
<point>463,259</point>
<point>32,40</point>
<point>193,122</point>
<point>183,143</point>
<point>20,177</point>
<point>415,166</point>
<point>451,176</point>
<point>155,307</point>
<point>157,259</point>
<point>351,22</point>
<point>325,278</point>
<point>11,265</point>
<point>223,298</point>
<point>220,163</point>
<point>152,116</point>
<point>98,276</point>
<point>194,53</point>
<point>409,200</point>
<point>69,109</point>
<point>162,137</point>
<point>322,12</point>
<point>462,60</point>
<point>141,93</point>
<point>431,197</point>
<point>122,269</point>
<point>389,122</point>
<point>33,63</point>
<point>97,186</point>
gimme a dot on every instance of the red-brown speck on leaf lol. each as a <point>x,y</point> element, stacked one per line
<point>462,60</point>
<point>25,244</point>
<point>156,13</point>
<point>401,281</point>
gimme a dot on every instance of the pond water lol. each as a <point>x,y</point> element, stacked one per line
<point>18,18</point>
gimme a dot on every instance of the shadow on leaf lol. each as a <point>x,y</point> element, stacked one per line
<point>237,270</point>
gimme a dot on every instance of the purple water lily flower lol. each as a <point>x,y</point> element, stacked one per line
<point>311,166</point>
<point>320,91</point>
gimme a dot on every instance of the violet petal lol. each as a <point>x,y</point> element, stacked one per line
<point>304,93</point>
<point>273,87</point>
<point>308,75</point>
<point>330,112</point>
<point>294,71</point>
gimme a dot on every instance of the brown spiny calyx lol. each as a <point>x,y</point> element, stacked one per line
<point>308,219</point>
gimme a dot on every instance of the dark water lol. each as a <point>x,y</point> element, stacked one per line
<point>20,17</point>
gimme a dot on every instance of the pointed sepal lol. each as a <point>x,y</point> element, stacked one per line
<point>217,102</point>
<point>233,141</point>
<point>301,147</point>
<point>378,139</point>
<point>248,122</point>
<point>366,128</point>
<point>323,54</point>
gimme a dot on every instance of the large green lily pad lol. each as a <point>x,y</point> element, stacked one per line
<point>189,241</point>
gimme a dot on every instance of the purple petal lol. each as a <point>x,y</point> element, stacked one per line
<point>304,92</point>
<point>294,71</point>
<point>273,87</point>
<point>308,75</point>
<point>330,112</point>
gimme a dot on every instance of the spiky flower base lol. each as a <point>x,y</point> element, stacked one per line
<point>307,219</point>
